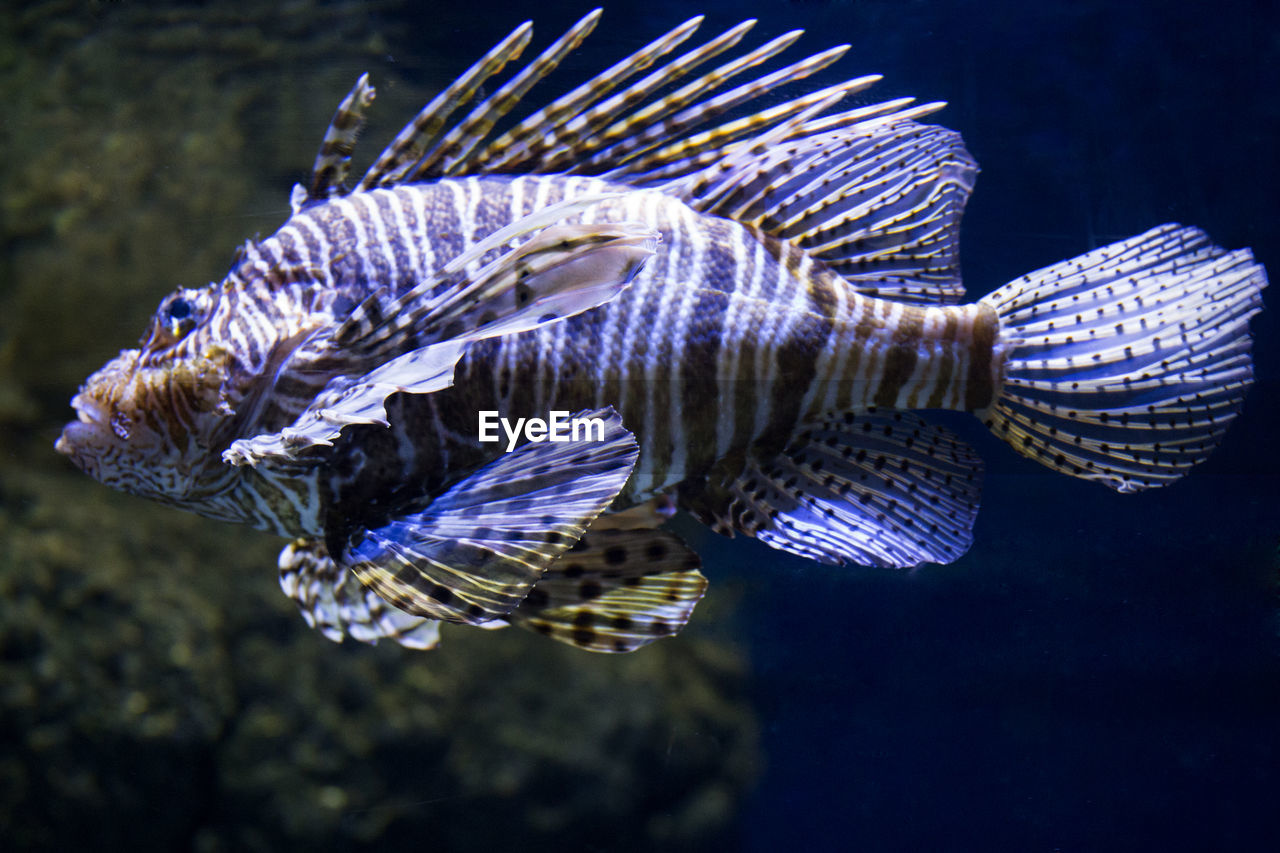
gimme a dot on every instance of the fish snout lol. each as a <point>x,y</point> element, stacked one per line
<point>84,440</point>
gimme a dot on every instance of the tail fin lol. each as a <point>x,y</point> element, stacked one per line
<point>1126,365</point>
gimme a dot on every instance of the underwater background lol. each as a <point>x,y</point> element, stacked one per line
<point>1099,672</point>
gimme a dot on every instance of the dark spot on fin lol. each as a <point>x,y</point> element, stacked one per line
<point>477,551</point>
<point>627,588</point>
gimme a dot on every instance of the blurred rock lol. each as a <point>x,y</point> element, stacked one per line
<point>159,690</point>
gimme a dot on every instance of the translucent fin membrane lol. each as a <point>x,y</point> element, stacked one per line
<point>606,126</point>
<point>1126,365</point>
<point>880,488</point>
<point>615,591</point>
<point>879,202</point>
<point>475,553</point>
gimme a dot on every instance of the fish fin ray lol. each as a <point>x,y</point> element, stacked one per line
<point>561,121</point>
<point>475,552</point>
<point>452,154</point>
<point>333,160</point>
<point>878,201</point>
<point>346,401</point>
<point>1127,364</point>
<point>651,513</point>
<point>425,128</point>
<point>693,154</point>
<point>413,343</point>
<point>643,133</point>
<point>335,603</point>
<point>692,106</point>
<point>878,487</point>
<point>615,591</point>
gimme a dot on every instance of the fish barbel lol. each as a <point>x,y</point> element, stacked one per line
<point>743,313</point>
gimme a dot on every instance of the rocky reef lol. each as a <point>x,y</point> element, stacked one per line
<point>156,689</point>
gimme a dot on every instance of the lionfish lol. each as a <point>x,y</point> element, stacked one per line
<point>749,305</point>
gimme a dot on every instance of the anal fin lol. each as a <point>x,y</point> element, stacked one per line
<point>615,591</point>
<point>879,487</point>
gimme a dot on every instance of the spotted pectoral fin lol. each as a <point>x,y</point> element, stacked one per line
<point>615,591</point>
<point>335,603</point>
<point>477,550</point>
<point>880,488</point>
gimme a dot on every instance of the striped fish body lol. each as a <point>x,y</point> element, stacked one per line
<point>751,308</point>
<point>724,343</point>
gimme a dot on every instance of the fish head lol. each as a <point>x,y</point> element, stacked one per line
<point>153,420</point>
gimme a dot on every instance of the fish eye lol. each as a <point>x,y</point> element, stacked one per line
<point>178,314</point>
<point>180,309</point>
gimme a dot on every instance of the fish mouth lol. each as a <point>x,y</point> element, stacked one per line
<point>80,437</point>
